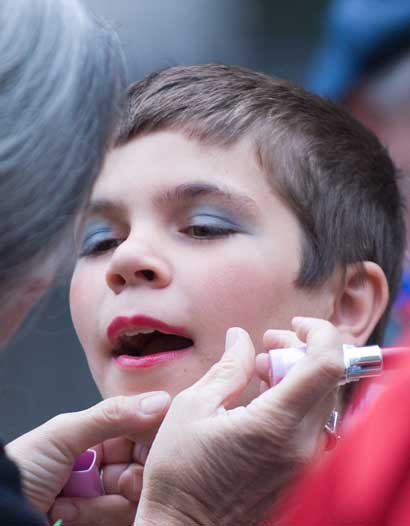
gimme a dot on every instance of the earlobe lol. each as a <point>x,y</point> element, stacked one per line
<point>361,302</point>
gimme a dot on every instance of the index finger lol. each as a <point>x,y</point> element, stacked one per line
<point>312,377</point>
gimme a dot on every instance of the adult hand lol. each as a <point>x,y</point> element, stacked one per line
<point>46,455</point>
<point>121,461</point>
<point>212,466</point>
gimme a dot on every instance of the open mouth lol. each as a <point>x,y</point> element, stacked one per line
<point>148,343</point>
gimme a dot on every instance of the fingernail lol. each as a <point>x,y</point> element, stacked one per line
<point>154,403</point>
<point>232,336</point>
<point>65,512</point>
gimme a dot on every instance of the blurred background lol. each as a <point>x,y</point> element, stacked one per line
<point>44,372</point>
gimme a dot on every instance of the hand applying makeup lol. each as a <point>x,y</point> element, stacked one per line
<point>46,463</point>
<point>212,465</point>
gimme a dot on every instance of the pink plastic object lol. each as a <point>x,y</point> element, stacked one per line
<point>282,360</point>
<point>85,478</point>
<point>360,362</point>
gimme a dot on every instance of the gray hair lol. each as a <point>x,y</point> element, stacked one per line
<point>61,80</point>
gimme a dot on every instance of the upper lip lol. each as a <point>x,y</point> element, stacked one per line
<point>125,324</point>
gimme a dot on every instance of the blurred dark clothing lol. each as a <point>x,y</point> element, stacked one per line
<point>14,509</point>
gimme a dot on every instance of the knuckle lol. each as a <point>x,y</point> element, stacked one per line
<point>57,423</point>
<point>324,324</point>
<point>221,369</point>
<point>326,331</point>
<point>330,331</point>
<point>115,409</point>
<point>59,420</point>
<point>225,369</point>
<point>329,368</point>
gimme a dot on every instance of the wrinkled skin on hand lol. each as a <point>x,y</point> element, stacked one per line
<point>46,455</point>
<point>212,466</point>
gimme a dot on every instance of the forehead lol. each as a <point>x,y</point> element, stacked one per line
<point>168,158</point>
<point>153,172</point>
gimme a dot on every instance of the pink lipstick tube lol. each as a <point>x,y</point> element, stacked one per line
<point>85,478</point>
<point>360,362</point>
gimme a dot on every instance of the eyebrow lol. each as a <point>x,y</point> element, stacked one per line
<point>183,193</point>
<point>192,191</point>
<point>104,207</point>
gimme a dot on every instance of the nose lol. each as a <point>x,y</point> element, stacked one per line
<point>133,264</point>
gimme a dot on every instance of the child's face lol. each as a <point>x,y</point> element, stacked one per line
<point>193,237</point>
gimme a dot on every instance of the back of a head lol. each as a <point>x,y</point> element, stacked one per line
<point>333,173</point>
<point>61,80</point>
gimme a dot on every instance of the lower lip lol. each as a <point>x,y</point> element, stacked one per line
<point>152,360</point>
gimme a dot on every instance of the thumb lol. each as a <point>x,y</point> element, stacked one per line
<point>73,433</point>
<point>227,378</point>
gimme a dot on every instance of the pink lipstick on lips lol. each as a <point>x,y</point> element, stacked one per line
<point>141,324</point>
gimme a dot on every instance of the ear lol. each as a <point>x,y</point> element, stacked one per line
<point>361,301</point>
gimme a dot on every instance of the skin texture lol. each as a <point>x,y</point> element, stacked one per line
<point>202,281</point>
<point>158,241</point>
<point>45,455</point>
<point>212,466</point>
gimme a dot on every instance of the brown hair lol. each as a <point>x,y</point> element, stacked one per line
<point>333,172</point>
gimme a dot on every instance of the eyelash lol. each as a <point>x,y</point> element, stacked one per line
<point>201,232</point>
<point>209,231</point>
<point>95,248</point>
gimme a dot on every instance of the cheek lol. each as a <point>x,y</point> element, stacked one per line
<point>83,303</point>
<point>248,293</point>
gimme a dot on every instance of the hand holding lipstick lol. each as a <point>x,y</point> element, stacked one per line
<point>46,455</point>
<point>212,465</point>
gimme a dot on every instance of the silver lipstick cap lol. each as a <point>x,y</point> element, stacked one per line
<point>362,362</point>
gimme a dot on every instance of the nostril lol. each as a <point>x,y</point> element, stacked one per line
<point>148,274</point>
<point>117,280</point>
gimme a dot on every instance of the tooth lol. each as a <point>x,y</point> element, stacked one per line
<point>138,331</point>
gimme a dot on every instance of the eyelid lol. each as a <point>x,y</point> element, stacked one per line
<point>214,213</point>
<point>214,218</point>
<point>93,233</point>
